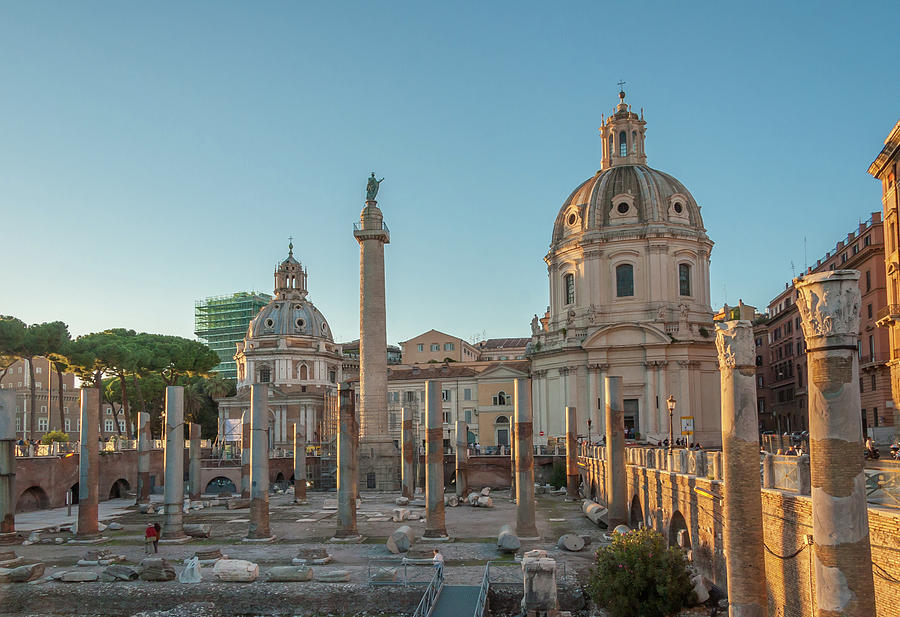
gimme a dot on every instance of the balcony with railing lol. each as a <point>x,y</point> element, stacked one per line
<point>888,314</point>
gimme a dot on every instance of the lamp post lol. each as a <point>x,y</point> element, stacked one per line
<point>589,431</point>
<point>670,402</point>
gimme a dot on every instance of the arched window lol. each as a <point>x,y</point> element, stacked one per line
<point>624,280</point>
<point>570,288</point>
<point>501,399</point>
<point>684,279</point>
<point>612,146</point>
<point>304,372</point>
<point>265,374</point>
<point>623,143</point>
<point>634,142</point>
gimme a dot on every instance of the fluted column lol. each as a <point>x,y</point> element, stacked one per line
<point>662,422</point>
<point>143,477</point>
<point>524,463</point>
<point>174,465</point>
<point>462,458</point>
<point>8,467</point>
<point>259,463</point>
<point>194,462</point>
<point>435,526</point>
<point>347,465</point>
<point>88,466</point>
<point>616,496</point>
<point>829,308</point>
<point>407,452</point>
<point>742,534</point>
<point>300,462</point>
<point>571,453</point>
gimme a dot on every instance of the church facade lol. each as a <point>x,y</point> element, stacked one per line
<point>628,269</point>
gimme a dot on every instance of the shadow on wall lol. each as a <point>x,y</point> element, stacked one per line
<point>119,489</point>
<point>32,498</point>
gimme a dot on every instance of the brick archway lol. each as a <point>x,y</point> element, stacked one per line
<point>31,499</point>
<point>677,525</point>
<point>636,515</point>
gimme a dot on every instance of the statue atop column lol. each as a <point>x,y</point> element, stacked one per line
<point>372,187</point>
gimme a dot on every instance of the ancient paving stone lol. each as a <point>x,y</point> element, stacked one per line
<point>334,576</point>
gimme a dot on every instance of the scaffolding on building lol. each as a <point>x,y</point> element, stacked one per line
<point>222,321</point>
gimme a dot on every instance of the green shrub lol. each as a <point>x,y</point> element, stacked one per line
<point>558,475</point>
<point>52,436</point>
<point>639,576</point>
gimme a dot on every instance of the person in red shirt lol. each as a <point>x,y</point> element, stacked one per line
<point>151,536</point>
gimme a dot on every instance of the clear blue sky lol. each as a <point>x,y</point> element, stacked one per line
<point>156,153</point>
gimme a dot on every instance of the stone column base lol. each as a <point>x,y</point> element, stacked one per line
<point>95,540</point>
<point>259,540</point>
<point>12,537</point>
<point>180,540</point>
<point>347,539</point>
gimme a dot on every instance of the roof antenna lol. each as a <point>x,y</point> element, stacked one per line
<point>793,270</point>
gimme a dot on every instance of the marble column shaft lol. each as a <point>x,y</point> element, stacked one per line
<point>245,455</point>
<point>829,310</point>
<point>742,533</point>
<point>194,462</point>
<point>143,477</point>
<point>435,526</point>
<point>407,452</point>
<point>462,458</point>
<point>174,464</point>
<point>259,462</point>
<point>88,465</point>
<point>7,462</point>
<point>347,464</point>
<point>616,495</point>
<point>300,463</point>
<point>524,463</point>
<point>571,453</point>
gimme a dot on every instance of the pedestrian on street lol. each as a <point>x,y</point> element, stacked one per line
<point>151,538</point>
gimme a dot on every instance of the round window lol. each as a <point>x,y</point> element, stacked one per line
<point>572,219</point>
<point>623,208</point>
<point>300,323</point>
<point>269,323</point>
<point>297,306</point>
<point>678,207</point>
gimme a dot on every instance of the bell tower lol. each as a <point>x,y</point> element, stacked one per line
<point>623,137</point>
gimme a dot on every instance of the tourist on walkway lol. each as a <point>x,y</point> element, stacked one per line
<point>438,562</point>
<point>151,537</point>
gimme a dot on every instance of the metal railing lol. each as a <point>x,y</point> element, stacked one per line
<point>483,593</point>
<point>883,484</point>
<point>431,594</point>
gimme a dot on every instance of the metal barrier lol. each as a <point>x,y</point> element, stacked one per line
<point>883,484</point>
<point>483,594</point>
<point>431,594</point>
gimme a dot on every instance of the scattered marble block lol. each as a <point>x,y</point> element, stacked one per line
<point>570,542</point>
<point>118,572</point>
<point>198,530</point>
<point>311,557</point>
<point>77,576</point>
<point>334,576</point>
<point>157,569</point>
<point>486,491</point>
<point>237,504</point>
<point>473,499</point>
<point>22,574</point>
<point>594,511</point>
<point>401,540</point>
<point>485,502</point>
<point>236,571</point>
<point>290,574</point>
<point>402,501</point>
<point>452,501</point>
<point>400,514</point>
<point>114,526</point>
<point>11,562</point>
<point>507,540</point>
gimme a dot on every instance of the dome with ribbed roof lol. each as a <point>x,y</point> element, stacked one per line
<point>627,195</point>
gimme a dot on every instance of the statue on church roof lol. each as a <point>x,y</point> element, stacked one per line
<point>372,187</point>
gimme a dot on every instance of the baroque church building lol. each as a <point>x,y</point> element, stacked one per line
<point>629,296</point>
<point>288,345</point>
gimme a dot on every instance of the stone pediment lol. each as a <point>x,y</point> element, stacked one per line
<point>502,371</point>
<point>626,334</point>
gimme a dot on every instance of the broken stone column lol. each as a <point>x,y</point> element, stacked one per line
<point>435,526</point>
<point>245,455</point>
<point>571,453</point>
<point>174,465</point>
<point>7,466</point>
<point>616,497</point>
<point>524,461</point>
<point>143,477</point>
<point>540,584</point>
<point>299,463</point>
<point>347,465</point>
<point>194,462</point>
<point>742,531</point>
<point>88,466</point>
<point>829,309</point>
<point>407,452</point>
<point>462,458</point>
<point>259,463</point>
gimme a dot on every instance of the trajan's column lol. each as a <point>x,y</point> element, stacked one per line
<point>377,453</point>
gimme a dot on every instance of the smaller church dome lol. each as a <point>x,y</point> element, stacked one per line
<point>290,313</point>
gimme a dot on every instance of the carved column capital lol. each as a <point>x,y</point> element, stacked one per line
<point>829,308</point>
<point>734,341</point>
<point>598,367</point>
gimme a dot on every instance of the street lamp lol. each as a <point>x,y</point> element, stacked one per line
<point>671,404</point>
<point>589,431</point>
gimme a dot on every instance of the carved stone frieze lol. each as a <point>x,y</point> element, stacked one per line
<point>829,307</point>
<point>734,341</point>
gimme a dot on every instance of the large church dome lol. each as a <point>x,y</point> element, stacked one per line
<point>626,194</point>
<point>290,313</point>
